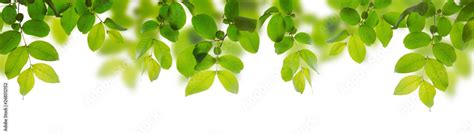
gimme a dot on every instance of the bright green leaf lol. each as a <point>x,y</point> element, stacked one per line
<point>162,54</point>
<point>384,32</point>
<point>309,58</point>
<point>284,45</point>
<point>445,53</point>
<point>45,73</point>
<point>378,4</point>
<point>169,33</point>
<point>232,9</point>
<point>200,82</point>
<point>37,10</point>
<point>176,16</point>
<point>427,93</point>
<point>299,82</point>
<point>304,38</point>
<point>444,26</point>
<point>417,40</point>
<point>337,48</point>
<point>416,22</point>
<point>437,73</point>
<point>410,63</point>
<point>96,37</point>
<point>407,85</point>
<point>356,49</point>
<point>229,81</point>
<point>250,41</point>
<point>276,28</point>
<point>69,20</point>
<point>26,80</point>
<point>367,34</point>
<point>286,6</point>
<point>42,50</point>
<point>100,6</point>
<point>111,24</point>
<point>153,69</point>
<point>15,62</point>
<point>231,63</point>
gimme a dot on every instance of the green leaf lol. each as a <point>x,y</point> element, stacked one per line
<point>468,32</point>
<point>42,50</point>
<point>384,32</point>
<point>229,81</point>
<point>466,13</point>
<point>233,32</point>
<point>232,9</point>
<point>80,7</point>
<point>427,93</point>
<point>290,65</point>
<point>309,58</point>
<point>15,62</point>
<point>410,63</point>
<point>231,63</point>
<point>307,75</point>
<point>372,20</point>
<point>207,62</point>
<point>36,28</point>
<point>289,24</point>
<point>456,36</point>
<point>45,73</point>
<point>437,73</point>
<point>69,20</point>
<point>176,16</point>
<point>392,18</point>
<point>339,37</point>
<point>111,24</point>
<point>149,25</point>
<point>202,49</point>
<point>245,24</point>
<point>85,22</point>
<point>205,26</point>
<point>450,8</point>
<point>162,54</point>
<point>350,16</point>
<point>96,37</point>
<point>444,26</point>
<point>153,69</point>
<point>407,85</point>
<point>356,49</point>
<point>8,41</point>
<point>416,22</point>
<point>250,41</point>
<point>276,28</point>
<point>169,33</point>
<point>416,40</point>
<point>286,6</point>
<point>367,34</point>
<point>143,46</point>
<point>304,38</point>
<point>100,6</point>
<point>185,62</point>
<point>26,80</point>
<point>284,45</point>
<point>337,48</point>
<point>299,82</point>
<point>200,82</point>
<point>266,15</point>
<point>445,53</point>
<point>163,14</point>
<point>115,36</point>
<point>378,4</point>
<point>37,10</point>
<point>9,14</point>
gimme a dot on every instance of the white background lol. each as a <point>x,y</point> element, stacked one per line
<point>346,98</point>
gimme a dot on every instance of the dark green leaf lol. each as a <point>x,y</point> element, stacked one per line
<point>100,6</point>
<point>9,14</point>
<point>416,22</point>
<point>456,36</point>
<point>111,24</point>
<point>350,16</point>
<point>68,20</point>
<point>233,32</point>
<point>468,31</point>
<point>286,6</point>
<point>37,28</point>
<point>444,26</point>
<point>176,16</point>
<point>37,10</point>
<point>450,8</point>
<point>276,28</point>
<point>169,33</point>
<point>149,25</point>
<point>245,24</point>
<point>378,4</point>
<point>205,26</point>
<point>86,22</point>
<point>8,41</point>
<point>466,13</point>
<point>232,9</point>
